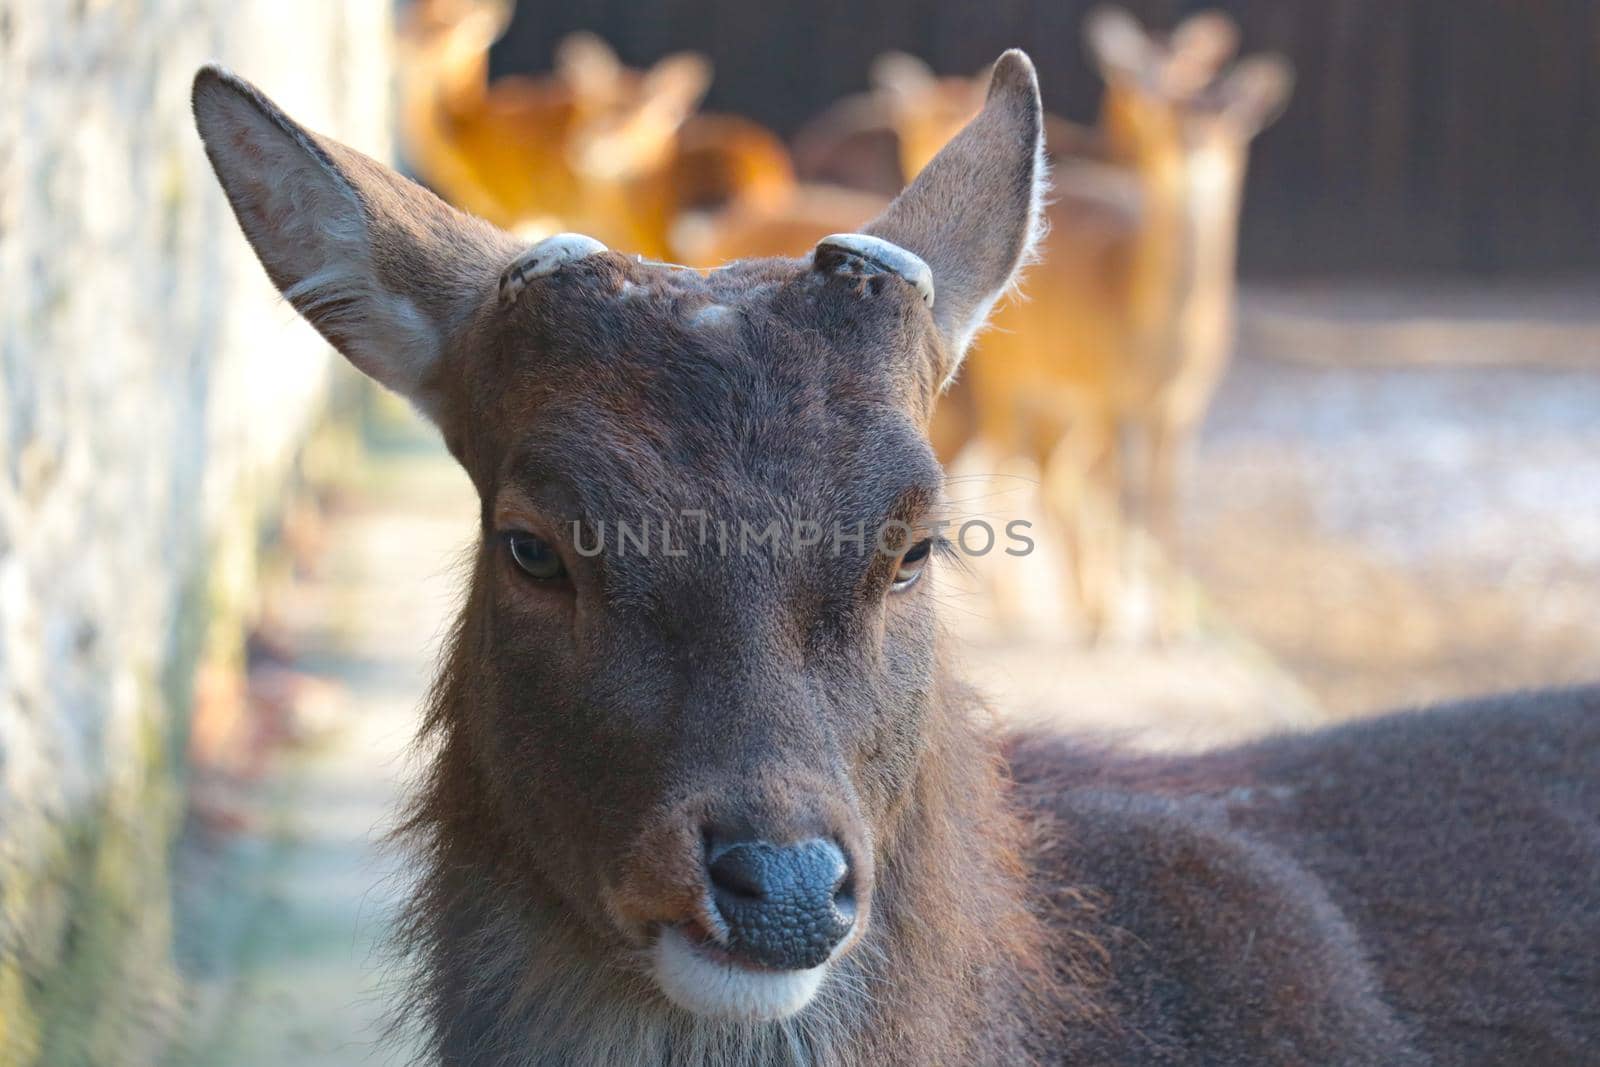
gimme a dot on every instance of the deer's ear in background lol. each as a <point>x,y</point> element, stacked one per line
<point>1118,45</point>
<point>381,267</point>
<point>588,66</point>
<point>677,84</point>
<point>973,213</point>
<point>1255,93</point>
<point>902,74</point>
<point>1200,47</point>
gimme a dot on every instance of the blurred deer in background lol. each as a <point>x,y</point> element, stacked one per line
<point>1103,376</point>
<point>599,147</point>
<point>779,227</point>
<point>594,145</point>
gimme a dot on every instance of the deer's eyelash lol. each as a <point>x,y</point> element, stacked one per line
<point>949,554</point>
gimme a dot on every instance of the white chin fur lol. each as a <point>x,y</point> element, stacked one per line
<point>709,987</point>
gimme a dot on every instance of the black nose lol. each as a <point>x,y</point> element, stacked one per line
<point>785,906</point>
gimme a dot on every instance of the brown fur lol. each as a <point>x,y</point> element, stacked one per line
<point>1414,891</point>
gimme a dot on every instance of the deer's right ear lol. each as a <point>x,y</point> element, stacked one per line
<point>1118,45</point>
<point>1200,47</point>
<point>901,74</point>
<point>973,214</point>
<point>381,267</point>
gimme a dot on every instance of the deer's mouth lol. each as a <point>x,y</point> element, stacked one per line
<point>705,943</point>
<point>700,976</point>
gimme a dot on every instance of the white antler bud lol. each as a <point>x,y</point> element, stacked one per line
<point>877,253</point>
<point>545,258</point>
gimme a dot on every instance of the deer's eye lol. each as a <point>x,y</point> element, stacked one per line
<point>537,557</point>
<point>911,565</point>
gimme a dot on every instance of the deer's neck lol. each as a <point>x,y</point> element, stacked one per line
<point>955,968</point>
<point>969,968</point>
<point>1182,253</point>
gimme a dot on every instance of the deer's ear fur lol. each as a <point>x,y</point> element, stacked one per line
<point>1118,45</point>
<point>381,267</point>
<point>1256,92</point>
<point>975,212</point>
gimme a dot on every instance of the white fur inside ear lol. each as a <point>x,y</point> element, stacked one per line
<point>543,259</point>
<point>885,255</point>
<point>384,334</point>
<point>308,225</point>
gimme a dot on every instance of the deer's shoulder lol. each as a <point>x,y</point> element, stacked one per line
<point>1220,947</point>
<point>1343,896</point>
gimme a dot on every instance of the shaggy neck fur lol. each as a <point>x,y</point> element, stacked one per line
<point>955,968</point>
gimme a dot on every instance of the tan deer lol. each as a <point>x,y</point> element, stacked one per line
<point>1102,376</point>
<point>708,799</point>
<point>807,214</point>
<point>594,145</point>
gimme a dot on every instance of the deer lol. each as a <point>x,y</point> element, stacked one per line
<point>708,239</point>
<point>623,153</point>
<point>1101,377</point>
<point>701,798</point>
<point>593,144</point>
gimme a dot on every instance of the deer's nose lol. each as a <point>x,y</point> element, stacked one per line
<point>785,906</point>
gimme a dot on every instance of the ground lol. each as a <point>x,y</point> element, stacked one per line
<point>284,906</point>
<point>1395,516</point>
<point>1405,511</point>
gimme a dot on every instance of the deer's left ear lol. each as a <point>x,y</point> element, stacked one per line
<point>974,212</point>
<point>379,265</point>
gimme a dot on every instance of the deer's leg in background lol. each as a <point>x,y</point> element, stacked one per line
<point>1082,487</point>
<point>994,469</point>
<point>1169,440</point>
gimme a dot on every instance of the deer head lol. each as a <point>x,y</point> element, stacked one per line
<point>1174,110</point>
<point>688,701</point>
<point>626,121</point>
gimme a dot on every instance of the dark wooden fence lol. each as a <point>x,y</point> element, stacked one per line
<point>1425,136</point>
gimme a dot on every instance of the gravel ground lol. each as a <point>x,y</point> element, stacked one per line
<point>284,914</point>
<point>1395,528</point>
